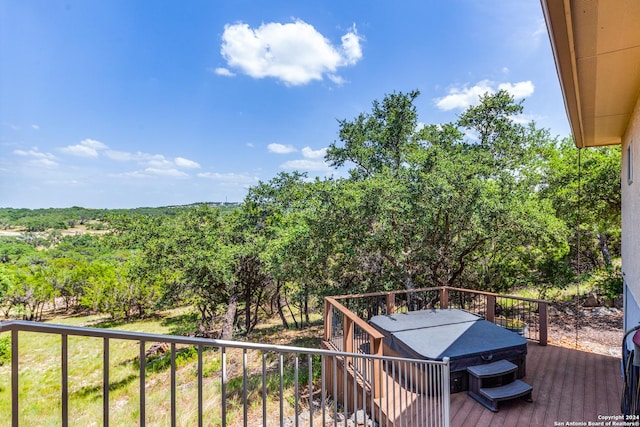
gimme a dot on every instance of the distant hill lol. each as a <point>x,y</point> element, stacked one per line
<point>34,220</point>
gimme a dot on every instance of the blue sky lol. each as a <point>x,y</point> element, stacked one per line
<point>115,104</point>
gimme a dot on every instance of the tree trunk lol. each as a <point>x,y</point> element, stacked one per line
<point>409,286</point>
<point>229,316</point>
<point>247,313</point>
<point>604,248</point>
<point>254,321</point>
<point>293,316</point>
<point>306,305</point>
<point>203,314</point>
<point>279,307</point>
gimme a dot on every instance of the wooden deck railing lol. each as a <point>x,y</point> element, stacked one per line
<point>400,391</point>
<point>526,316</point>
<point>351,334</point>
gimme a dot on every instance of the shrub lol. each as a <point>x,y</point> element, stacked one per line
<point>5,350</point>
<point>607,281</point>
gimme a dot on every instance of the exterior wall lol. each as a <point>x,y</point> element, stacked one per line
<point>631,313</point>
<point>631,220</point>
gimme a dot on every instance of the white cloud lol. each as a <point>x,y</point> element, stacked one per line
<point>351,47</point>
<point>151,165</point>
<point>11,126</point>
<point>171,172</point>
<point>295,53</point>
<point>35,127</point>
<point>540,31</point>
<point>336,79</point>
<point>134,174</point>
<point>34,152</point>
<point>281,149</point>
<point>97,145</point>
<point>123,156</point>
<point>186,163</point>
<point>461,98</point>
<point>64,182</point>
<point>308,153</point>
<point>154,162</point>
<point>313,160</point>
<point>250,145</point>
<point>138,156</point>
<point>306,165</point>
<point>224,72</point>
<point>158,161</point>
<point>524,119</point>
<point>38,159</point>
<point>45,163</point>
<point>518,90</point>
<point>86,148</point>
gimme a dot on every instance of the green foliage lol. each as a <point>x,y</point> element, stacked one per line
<point>431,208</point>
<point>12,249</point>
<point>5,350</point>
<point>380,140</point>
<point>190,257</point>
<point>607,281</point>
<point>586,198</point>
<point>162,362</point>
<point>84,245</point>
<point>483,202</point>
<point>212,368</point>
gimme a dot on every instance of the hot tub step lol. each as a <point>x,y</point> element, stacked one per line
<point>495,369</point>
<point>490,397</point>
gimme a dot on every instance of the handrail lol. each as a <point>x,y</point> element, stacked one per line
<point>532,310</point>
<point>50,328</point>
<point>407,291</point>
<point>385,293</point>
<point>373,332</point>
<point>538,301</point>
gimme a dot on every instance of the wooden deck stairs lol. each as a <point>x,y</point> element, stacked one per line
<point>496,382</point>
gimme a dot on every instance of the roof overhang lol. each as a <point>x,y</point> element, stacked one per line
<point>596,45</point>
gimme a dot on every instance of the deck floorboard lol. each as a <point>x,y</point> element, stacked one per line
<point>568,385</point>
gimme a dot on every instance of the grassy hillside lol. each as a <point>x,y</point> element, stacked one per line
<point>40,376</point>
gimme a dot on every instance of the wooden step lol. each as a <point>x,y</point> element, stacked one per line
<point>512,390</point>
<point>495,369</point>
<point>492,396</point>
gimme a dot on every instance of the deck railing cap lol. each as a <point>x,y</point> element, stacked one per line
<point>29,326</point>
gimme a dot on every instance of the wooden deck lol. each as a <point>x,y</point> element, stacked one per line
<point>568,385</point>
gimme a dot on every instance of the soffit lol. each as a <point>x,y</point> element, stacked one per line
<point>596,46</point>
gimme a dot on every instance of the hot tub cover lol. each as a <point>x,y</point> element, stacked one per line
<point>463,337</point>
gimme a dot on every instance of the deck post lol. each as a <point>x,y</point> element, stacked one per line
<point>542,307</point>
<point>347,338</point>
<point>490,312</point>
<point>328,318</point>
<point>376,386</point>
<point>391,303</point>
<point>444,297</point>
<point>15,412</point>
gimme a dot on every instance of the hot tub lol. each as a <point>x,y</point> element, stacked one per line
<point>465,338</point>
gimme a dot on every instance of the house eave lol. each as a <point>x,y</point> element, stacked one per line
<point>591,42</point>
